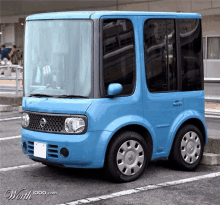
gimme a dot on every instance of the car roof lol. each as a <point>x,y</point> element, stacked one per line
<point>99,14</point>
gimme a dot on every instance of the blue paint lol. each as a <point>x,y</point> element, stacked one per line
<point>114,89</point>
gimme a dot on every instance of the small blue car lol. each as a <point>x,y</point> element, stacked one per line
<point>114,90</point>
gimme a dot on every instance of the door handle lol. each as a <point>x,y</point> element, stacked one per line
<point>177,103</point>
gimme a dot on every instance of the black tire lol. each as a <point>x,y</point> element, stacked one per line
<point>111,168</point>
<point>177,151</point>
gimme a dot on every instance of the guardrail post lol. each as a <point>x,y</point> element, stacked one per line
<point>8,70</point>
<point>17,81</point>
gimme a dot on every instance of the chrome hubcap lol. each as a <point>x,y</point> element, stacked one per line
<point>130,157</point>
<point>190,147</point>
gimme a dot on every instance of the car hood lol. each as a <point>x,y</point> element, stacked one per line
<point>56,105</point>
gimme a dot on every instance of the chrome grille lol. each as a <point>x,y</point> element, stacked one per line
<point>54,123</point>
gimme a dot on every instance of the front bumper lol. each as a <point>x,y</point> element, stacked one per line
<point>85,151</point>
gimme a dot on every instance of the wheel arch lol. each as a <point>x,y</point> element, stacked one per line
<point>192,121</point>
<point>135,128</point>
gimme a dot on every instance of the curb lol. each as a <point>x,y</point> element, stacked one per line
<point>213,145</point>
<point>9,108</point>
<point>211,159</point>
<point>14,100</point>
<point>20,109</point>
<point>6,108</point>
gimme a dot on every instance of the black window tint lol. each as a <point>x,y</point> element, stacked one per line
<point>118,54</point>
<point>191,54</point>
<point>160,55</point>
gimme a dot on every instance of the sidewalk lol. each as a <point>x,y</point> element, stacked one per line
<point>9,82</point>
<point>212,106</point>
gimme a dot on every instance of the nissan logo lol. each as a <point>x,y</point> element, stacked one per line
<point>43,122</point>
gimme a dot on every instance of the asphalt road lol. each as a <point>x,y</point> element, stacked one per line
<point>60,186</point>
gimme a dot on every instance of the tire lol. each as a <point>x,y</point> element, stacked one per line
<point>187,149</point>
<point>127,157</point>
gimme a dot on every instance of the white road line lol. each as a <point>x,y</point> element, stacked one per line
<point>13,118</point>
<point>140,189</point>
<point>9,138</point>
<point>19,167</point>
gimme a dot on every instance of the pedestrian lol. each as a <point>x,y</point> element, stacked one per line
<point>4,55</point>
<point>14,55</point>
<point>5,52</point>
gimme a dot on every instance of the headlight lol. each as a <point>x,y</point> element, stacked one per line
<point>25,120</point>
<point>75,124</point>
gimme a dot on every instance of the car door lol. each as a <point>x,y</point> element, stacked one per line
<point>161,100</point>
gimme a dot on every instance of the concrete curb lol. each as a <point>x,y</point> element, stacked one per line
<point>17,108</point>
<point>20,109</point>
<point>213,145</point>
<point>6,108</point>
<point>211,159</point>
<point>11,100</point>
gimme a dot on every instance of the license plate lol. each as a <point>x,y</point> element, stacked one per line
<point>40,150</point>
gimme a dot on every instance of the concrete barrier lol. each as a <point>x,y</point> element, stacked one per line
<point>6,108</point>
<point>211,159</point>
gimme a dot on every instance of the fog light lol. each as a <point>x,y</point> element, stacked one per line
<point>24,146</point>
<point>64,152</point>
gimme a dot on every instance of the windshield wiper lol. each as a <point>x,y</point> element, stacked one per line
<point>39,95</point>
<point>71,96</point>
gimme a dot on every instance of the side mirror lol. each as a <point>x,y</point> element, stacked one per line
<point>114,89</point>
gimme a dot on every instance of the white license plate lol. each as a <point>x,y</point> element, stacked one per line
<point>40,150</point>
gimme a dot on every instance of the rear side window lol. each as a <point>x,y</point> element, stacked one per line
<point>119,54</point>
<point>191,54</point>
<point>160,55</point>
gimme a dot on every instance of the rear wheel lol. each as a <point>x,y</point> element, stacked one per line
<point>127,157</point>
<point>188,147</point>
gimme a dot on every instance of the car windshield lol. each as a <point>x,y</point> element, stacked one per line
<point>58,58</point>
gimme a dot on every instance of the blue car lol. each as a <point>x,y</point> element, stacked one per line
<point>114,90</point>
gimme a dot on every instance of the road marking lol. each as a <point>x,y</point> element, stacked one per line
<point>145,188</point>
<point>9,138</point>
<point>13,118</point>
<point>19,167</point>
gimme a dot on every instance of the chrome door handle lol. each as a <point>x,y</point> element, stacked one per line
<point>177,103</point>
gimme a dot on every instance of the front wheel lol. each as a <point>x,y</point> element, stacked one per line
<point>187,150</point>
<point>127,157</point>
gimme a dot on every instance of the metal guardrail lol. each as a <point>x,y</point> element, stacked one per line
<point>211,80</point>
<point>8,76</point>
